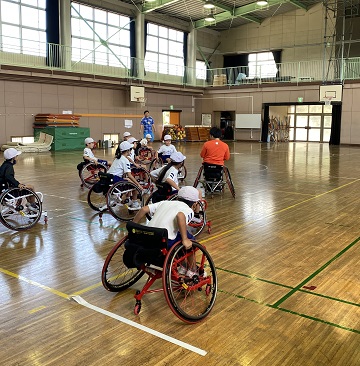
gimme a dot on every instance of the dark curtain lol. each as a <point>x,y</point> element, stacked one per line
<point>145,35</point>
<point>277,59</point>
<point>133,60</point>
<point>265,124</point>
<point>53,56</point>
<point>239,61</point>
<point>335,125</point>
<point>185,53</point>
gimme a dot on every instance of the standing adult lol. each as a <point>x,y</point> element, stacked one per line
<point>215,151</point>
<point>147,125</point>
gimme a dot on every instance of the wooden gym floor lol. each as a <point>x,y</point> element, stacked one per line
<point>287,252</point>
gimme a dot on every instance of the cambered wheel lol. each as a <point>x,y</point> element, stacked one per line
<point>197,179</point>
<point>118,198</point>
<point>97,201</point>
<point>190,298</point>
<point>229,182</point>
<point>20,209</point>
<point>182,172</point>
<point>89,174</point>
<point>115,276</point>
<point>143,177</point>
<point>155,164</point>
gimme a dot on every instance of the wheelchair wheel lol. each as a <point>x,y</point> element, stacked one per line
<point>89,174</point>
<point>115,276</point>
<point>197,179</point>
<point>118,198</point>
<point>189,282</point>
<point>229,182</point>
<point>195,226</point>
<point>155,164</point>
<point>182,173</point>
<point>16,213</point>
<point>97,201</point>
<point>142,176</point>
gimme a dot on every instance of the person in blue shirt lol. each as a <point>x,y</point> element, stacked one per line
<point>147,125</point>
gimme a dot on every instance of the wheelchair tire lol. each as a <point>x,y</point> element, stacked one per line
<point>117,201</point>
<point>115,276</point>
<point>155,164</point>
<point>15,210</point>
<point>182,173</point>
<point>89,174</point>
<point>97,201</point>
<point>229,182</point>
<point>190,298</point>
<point>197,179</point>
<point>143,177</point>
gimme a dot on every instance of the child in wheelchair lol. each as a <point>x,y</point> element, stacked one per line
<point>88,154</point>
<point>166,150</point>
<point>168,175</point>
<point>174,216</point>
<point>7,175</point>
<point>119,171</point>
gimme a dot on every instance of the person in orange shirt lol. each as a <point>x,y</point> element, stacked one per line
<point>215,151</point>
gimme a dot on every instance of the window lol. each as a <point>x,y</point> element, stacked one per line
<point>23,139</point>
<point>23,26</point>
<point>164,50</point>
<point>200,70</point>
<point>100,36</point>
<point>262,65</point>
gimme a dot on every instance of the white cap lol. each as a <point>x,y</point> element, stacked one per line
<point>177,157</point>
<point>88,140</point>
<point>125,145</point>
<point>11,153</point>
<point>189,193</point>
<point>167,137</point>
<point>131,140</point>
<point>126,134</point>
<point>148,136</point>
<point>143,142</point>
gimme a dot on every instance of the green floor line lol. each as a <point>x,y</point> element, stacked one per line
<point>298,287</point>
<point>286,286</point>
<point>293,313</point>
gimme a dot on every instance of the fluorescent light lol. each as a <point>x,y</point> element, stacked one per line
<point>210,18</point>
<point>150,1</point>
<point>209,4</point>
<point>262,2</point>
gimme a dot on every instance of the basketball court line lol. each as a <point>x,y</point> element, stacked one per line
<point>82,302</point>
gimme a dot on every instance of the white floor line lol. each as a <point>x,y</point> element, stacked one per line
<point>189,347</point>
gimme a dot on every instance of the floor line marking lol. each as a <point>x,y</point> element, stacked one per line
<point>34,283</point>
<point>314,274</point>
<point>153,332</point>
<point>276,212</point>
<point>353,330</point>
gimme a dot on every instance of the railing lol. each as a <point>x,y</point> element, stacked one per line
<point>98,63</point>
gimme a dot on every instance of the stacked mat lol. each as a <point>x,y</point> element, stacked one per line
<point>56,120</point>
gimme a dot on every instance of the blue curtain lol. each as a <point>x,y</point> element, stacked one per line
<point>133,61</point>
<point>53,56</point>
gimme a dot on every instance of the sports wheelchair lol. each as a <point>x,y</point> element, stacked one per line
<point>197,225</point>
<point>89,173</point>
<point>159,162</point>
<point>189,293</point>
<point>16,212</point>
<point>113,197</point>
<point>213,179</point>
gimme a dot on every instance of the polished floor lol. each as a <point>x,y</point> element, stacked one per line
<point>286,249</point>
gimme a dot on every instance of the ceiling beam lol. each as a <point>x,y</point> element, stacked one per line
<point>299,4</point>
<point>148,7</point>
<point>242,11</point>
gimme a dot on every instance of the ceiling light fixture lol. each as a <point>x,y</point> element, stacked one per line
<point>262,3</point>
<point>209,4</point>
<point>150,1</point>
<point>210,18</point>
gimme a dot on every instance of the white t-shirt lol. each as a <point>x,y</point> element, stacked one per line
<point>167,150</point>
<point>120,166</point>
<point>89,154</point>
<point>172,173</point>
<point>164,216</point>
